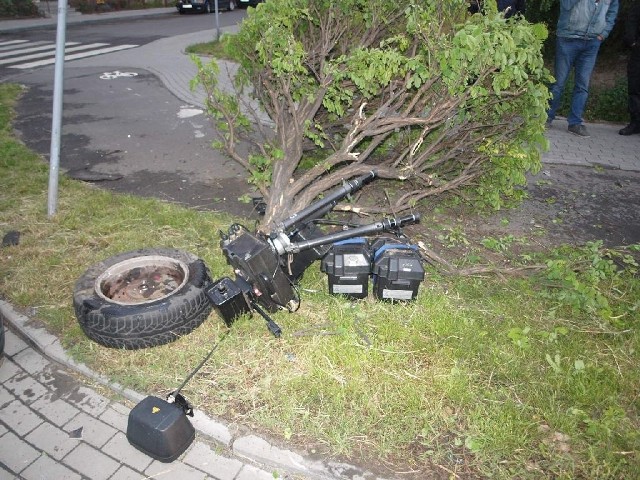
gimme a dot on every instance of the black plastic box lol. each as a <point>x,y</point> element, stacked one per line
<point>253,258</point>
<point>229,299</point>
<point>159,429</point>
<point>348,267</point>
<point>397,271</point>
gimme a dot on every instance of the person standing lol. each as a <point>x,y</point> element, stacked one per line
<point>582,27</point>
<point>508,7</point>
<point>511,7</point>
<point>632,39</point>
<point>474,6</point>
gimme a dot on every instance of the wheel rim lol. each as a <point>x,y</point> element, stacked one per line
<point>142,280</point>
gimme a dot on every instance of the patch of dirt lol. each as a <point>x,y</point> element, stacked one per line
<point>569,205</point>
<point>609,69</point>
<point>565,205</point>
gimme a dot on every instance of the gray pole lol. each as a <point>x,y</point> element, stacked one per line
<point>217,21</point>
<point>56,121</point>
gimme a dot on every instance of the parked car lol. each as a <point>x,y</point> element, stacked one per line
<point>248,3</point>
<point>205,6</point>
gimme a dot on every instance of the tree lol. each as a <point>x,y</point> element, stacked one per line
<point>422,92</point>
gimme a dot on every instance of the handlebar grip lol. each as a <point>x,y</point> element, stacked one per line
<point>409,219</point>
<point>363,180</point>
<point>392,223</point>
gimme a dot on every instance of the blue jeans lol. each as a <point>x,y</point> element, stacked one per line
<point>579,54</point>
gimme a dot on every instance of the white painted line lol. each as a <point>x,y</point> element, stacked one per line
<point>75,56</point>
<point>47,54</point>
<point>12,42</point>
<point>50,46</point>
<point>10,45</point>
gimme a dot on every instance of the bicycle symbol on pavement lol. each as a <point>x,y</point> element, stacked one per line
<point>116,74</point>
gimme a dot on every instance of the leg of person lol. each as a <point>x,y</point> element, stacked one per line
<point>565,55</point>
<point>584,62</point>
<point>633,81</point>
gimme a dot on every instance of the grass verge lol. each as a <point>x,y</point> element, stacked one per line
<point>214,48</point>
<point>480,377</point>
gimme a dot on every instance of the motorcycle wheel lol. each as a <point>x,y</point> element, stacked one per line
<point>142,298</point>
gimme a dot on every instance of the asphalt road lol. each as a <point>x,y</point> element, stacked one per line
<point>136,30</point>
<point>128,132</point>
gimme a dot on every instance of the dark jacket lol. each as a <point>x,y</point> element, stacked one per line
<point>632,26</point>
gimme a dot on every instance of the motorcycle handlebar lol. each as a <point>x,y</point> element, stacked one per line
<point>349,187</point>
<point>383,226</point>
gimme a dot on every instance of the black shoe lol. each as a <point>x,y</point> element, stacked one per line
<point>630,129</point>
<point>579,130</point>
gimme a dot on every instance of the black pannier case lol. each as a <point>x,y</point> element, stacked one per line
<point>397,270</point>
<point>348,266</point>
<point>159,429</point>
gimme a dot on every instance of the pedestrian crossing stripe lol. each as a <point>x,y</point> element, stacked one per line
<point>75,56</point>
<point>33,56</point>
<point>11,43</point>
<point>32,49</point>
<point>18,54</point>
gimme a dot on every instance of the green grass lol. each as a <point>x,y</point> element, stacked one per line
<point>481,376</point>
<point>214,48</point>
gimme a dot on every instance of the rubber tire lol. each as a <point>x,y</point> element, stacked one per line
<point>136,326</point>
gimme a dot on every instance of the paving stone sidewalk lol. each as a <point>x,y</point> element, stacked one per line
<point>55,424</point>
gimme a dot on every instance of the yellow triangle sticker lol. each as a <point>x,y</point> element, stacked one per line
<point>155,410</point>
